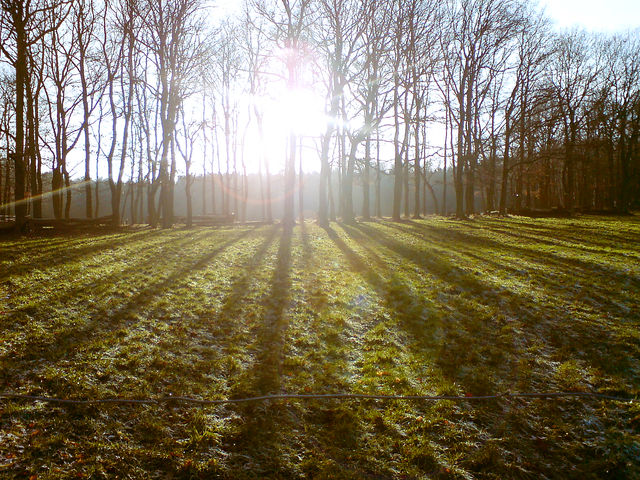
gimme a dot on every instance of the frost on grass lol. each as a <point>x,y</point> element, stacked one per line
<point>418,308</point>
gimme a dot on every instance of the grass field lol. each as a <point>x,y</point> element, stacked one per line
<point>425,307</point>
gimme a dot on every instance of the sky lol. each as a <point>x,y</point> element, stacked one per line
<point>594,15</point>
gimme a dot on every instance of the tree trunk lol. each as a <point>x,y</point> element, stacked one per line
<point>444,168</point>
<point>56,192</point>
<point>347,185</point>
<point>366,213</point>
<point>67,184</point>
<point>323,217</point>
<point>332,205</point>
<point>187,189</point>
<point>300,185</point>
<point>378,177</point>
<point>397,166</point>
<point>21,75</point>
<point>416,167</point>
<point>288,218</point>
<point>505,169</point>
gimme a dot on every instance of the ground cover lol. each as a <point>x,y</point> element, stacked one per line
<point>434,306</point>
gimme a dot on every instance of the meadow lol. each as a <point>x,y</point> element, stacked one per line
<point>422,307</point>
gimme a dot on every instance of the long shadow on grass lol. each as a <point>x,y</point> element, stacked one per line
<point>569,265</point>
<point>564,332</point>
<point>116,282</point>
<point>232,306</point>
<point>466,344</point>
<point>60,254</point>
<point>414,313</point>
<point>569,231</point>
<point>307,250</point>
<point>103,324</point>
<point>87,284</point>
<point>436,263</point>
<point>595,277</point>
<point>271,433</point>
<point>553,238</point>
<point>213,337</point>
<point>265,374</point>
<point>258,445</point>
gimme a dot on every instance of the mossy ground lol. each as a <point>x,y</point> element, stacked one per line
<point>431,306</point>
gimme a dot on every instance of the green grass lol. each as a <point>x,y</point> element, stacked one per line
<point>433,306</point>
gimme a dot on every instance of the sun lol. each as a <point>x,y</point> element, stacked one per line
<point>300,112</point>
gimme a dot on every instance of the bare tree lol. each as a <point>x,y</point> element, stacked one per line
<point>573,75</point>
<point>400,100</point>
<point>117,56</point>
<point>63,100</point>
<point>290,20</point>
<point>228,63</point>
<point>533,51</point>
<point>185,141</point>
<point>342,22</point>
<point>33,89</point>
<point>24,23</point>
<point>422,18</point>
<point>474,31</point>
<point>256,57</point>
<point>173,34</point>
<point>7,107</point>
<point>623,72</point>
<point>85,23</point>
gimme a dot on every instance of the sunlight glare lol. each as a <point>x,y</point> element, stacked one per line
<point>300,111</point>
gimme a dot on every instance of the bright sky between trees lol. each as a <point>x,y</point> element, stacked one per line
<point>594,15</point>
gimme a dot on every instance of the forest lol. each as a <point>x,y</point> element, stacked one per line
<point>478,100</point>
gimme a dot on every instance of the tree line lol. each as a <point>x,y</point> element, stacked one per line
<point>480,95</point>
